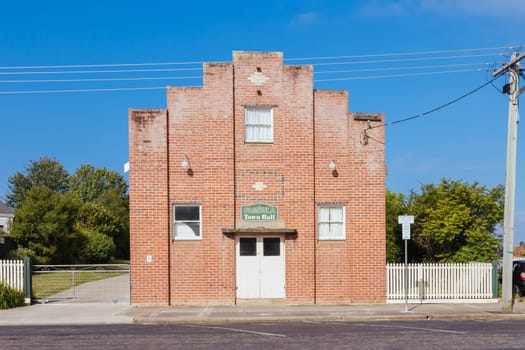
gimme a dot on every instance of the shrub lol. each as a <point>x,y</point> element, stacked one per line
<point>10,297</point>
<point>21,252</point>
<point>97,247</point>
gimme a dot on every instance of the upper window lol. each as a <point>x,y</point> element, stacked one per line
<point>258,124</point>
<point>187,222</point>
<point>331,223</point>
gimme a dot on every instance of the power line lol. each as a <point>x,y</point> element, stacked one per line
<point>151,70</point>
<point>191,77</point>
<point>95,79</point>
<point>80,90</point>
<point>364,137</point>
<point>200,68</point>
<point>198,77</point>
<point>317,80</point>
<point>403,60</point>
<point>409,53</point>
<point>435,109</point>
<point>102,65</point>
<point>403,53</point>
<point>102,71</point>
<point>400,75</point>
<point>401,68</point>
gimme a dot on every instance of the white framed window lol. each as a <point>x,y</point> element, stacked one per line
<point>258,124</point>
<point>187,222</point>
<point>331,222</point>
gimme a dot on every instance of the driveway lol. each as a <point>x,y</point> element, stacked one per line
<point>114,290</point>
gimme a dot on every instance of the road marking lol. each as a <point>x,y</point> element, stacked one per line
<point>414,328</point>
<point>240,330</point>
<point>390,326</point>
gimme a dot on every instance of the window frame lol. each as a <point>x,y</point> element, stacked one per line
<point>175,222</point>
<point>331,237</point>
<point>247,109</point>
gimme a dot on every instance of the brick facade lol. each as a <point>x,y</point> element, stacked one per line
<point>205,127</point>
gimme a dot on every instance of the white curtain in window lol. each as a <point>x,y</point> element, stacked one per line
<point>258,124</point>
<point>336,222</point>
<point>259,116</point>
<point>324,222</point>
<point>336,214</point>
<point>324,215</point>
<point>336,230</point>
<point>331,223</point>
<point>188,230</point>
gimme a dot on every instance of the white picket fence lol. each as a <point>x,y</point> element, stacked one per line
<point>434,283</point>
<point>12,273</point>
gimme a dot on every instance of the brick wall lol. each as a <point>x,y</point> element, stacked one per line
<point>201,127</point>
<point>206,126</point>
<point>149,210</point>
<point>368,243</point>
<point>290,157</point>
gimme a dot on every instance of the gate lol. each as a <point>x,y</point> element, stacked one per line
<point>103,283</point>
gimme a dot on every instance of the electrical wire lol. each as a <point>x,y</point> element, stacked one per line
<point>403,60</point>
<point>200,68</point>
<point>435,109</point>
<point>404,53</point>
<point>80,90</point>
<point>401,68</point>
<point>102,65</point>
<point>200,77</point>
<point>409,53</point>
<point>364,137</point>
<point>191,77</point>
<point>400,75</point>
<point>102,71</point>
<point>151,70</point>
<point>96,79</point>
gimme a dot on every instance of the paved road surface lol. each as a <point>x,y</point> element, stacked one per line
<point>406,335</point>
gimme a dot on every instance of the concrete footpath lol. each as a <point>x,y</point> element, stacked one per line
<point>75,313</point>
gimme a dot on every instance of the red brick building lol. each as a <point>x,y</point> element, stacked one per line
<point>256,186</point>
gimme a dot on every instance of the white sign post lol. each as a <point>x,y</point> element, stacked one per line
<point>406,221</point>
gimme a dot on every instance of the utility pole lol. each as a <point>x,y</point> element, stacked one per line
<point>512,88</point>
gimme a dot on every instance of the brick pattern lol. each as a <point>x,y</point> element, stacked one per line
<point>289,91</point>
<point>201,127</point>
<point>259,185</point>
<point>148,183</point>
<point>206,125</point>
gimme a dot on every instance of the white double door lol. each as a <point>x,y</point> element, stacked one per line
<point>260,267</point>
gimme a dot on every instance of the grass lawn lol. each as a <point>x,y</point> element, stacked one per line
<point>48,283</point>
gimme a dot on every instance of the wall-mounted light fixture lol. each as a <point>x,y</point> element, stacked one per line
<point>332,167</point>
<point>186,164</point>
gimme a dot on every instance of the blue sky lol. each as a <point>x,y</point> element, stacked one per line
<point>356,40</point>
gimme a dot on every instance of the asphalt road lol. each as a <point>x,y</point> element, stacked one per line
<point>404,335</point>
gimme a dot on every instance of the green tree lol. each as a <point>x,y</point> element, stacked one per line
<point>44,226</point>
<point>45,172</point>
<point>97,217</point>
<point>455,222</point>
<point>119,208</point>
<point>106,204</point>
<point>395,206</point>
<point>90,183</point>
